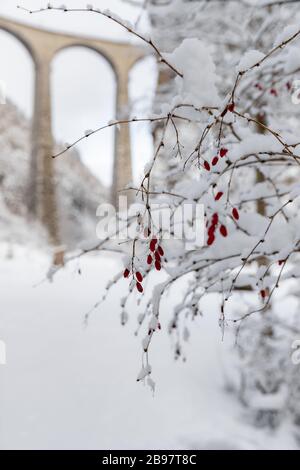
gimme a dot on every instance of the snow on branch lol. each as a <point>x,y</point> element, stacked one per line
<point>113,17</point>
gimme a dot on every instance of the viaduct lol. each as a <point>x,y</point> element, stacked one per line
<point>42,46</point>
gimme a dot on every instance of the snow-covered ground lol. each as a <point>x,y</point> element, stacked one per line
<point>69,387</point>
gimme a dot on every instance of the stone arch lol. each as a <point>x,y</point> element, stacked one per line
<point>19,37</point>
<point>90,47</point>
<point>121,58</point>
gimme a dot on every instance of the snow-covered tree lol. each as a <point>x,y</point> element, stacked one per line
<point>268,380</point>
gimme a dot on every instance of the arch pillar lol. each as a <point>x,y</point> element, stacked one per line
<point>41,188</point>
<point>122,166</point>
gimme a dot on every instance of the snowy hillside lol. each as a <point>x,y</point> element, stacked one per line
<point>78,191</point>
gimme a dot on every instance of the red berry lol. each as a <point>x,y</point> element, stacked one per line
<point>235,213</point>
<point>223,152</point>
<point>218,195</point>
<point>126,273</point>
<point>230,107</point>
<point>139,276</point>
<point>206,165</point>
<point>215,219</point>
<point>153,244</point>
<point>157,256</point>
<point>215,161</point>
<point>149,259</point>
<point>223,231</point>
<point>281,261</point>
<point>210,240</point>
<point>211,230</point>
<point>263,293</point>
<point>274,92</point>
<point>160,251</point>
<point>157,265</point>
<point>139,287</point>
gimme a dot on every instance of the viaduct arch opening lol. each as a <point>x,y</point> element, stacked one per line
<point>83,96</point>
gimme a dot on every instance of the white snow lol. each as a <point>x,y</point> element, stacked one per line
<point>249,59</point>
<point>292,59</point>
<point>198,85</point>
<point>288,32</point>
<point>66,386</point>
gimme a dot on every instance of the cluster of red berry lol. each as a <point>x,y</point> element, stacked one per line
<point>156,252</point>
<point>214,222</point>
<point>273,91</point>
<point>222,153</point>
<point>138,279</point>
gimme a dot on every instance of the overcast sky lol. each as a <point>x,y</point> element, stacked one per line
<point>83,84</point>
